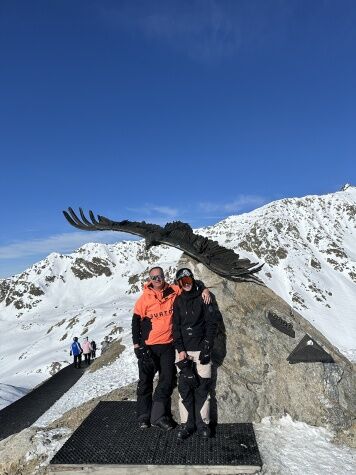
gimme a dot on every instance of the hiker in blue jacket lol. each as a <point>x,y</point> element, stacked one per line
<point>76,351</point>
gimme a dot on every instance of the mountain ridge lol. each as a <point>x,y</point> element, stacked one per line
<point>308,245</point>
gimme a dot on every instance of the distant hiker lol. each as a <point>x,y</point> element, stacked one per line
<point>76,351</point>
<point>93,351</point>
<point>87,349</point>
<point>152,338</point>
<point>194,328</point>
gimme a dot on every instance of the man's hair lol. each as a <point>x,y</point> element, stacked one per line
<point>156,267</point>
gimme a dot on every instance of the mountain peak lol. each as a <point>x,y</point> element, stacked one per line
<point>347,186</point>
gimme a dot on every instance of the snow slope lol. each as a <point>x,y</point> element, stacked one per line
<point>9,393</point>
<point>90,292</point>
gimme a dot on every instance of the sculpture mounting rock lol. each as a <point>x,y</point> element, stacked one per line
<point>253,376</point>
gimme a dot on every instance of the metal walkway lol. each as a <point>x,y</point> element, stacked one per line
<point>26,410</point>
<point>109,441</point>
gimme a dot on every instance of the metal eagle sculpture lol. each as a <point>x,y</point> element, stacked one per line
<point>224,262</point>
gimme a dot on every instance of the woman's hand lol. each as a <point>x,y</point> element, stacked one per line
<point>206,296</point>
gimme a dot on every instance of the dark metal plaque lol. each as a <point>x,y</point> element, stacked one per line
<point>281,325</point>
<point>309,351</point>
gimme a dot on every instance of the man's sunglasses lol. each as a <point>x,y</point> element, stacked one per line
<point>158,277</point>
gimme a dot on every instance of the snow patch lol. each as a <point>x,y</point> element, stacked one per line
<point>295,448</point>
<point>9,394</point>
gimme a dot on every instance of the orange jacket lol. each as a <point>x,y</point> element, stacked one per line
<point>157,306</point>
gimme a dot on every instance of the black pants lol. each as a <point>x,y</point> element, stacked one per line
<point>77,361</point>
<point>87,358</point>
<point>153,407</point>
<point>93,353</point>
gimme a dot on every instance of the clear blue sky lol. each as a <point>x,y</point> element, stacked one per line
<point>164,110</point>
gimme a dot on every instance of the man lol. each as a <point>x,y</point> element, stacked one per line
<point>152,336</point>
<point>194,328</point>
<point>76,351</point>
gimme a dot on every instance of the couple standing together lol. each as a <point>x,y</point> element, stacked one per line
<point>174,324</point>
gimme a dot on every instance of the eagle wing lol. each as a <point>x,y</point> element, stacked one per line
<point>219,259</point>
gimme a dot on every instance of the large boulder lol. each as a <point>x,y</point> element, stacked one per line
<point>258,331</point>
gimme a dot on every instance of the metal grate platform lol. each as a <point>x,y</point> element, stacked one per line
<point>110,435</point>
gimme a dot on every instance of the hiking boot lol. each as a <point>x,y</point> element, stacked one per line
<point>144,425</point>
<point>184,432</point>
<point>164,423</point>
<point>204,432</point>
<point>172,422</point>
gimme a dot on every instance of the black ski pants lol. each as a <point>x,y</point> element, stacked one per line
<point>151,407</point>
<point>77,361</point>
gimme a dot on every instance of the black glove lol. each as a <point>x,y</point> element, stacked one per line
<point>143,353</point>
<point>145,360</point>
<point>70,353</point>
<point>205,352</point>
<point>187,372</point>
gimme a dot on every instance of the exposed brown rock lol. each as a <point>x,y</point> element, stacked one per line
<point>114,350</point>
<point>84,269</point>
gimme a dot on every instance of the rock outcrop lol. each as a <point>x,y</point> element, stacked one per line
<point>254,378</point>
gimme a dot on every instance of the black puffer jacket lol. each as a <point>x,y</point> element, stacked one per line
<point>193,321</point>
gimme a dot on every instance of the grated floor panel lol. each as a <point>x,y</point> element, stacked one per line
<point>109,435</point>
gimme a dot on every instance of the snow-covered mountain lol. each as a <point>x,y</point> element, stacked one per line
<point>90,292</point>
<point>309,249</point>
<point>308,246</point>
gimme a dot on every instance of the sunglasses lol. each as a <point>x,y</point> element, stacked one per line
<point>158,277</point>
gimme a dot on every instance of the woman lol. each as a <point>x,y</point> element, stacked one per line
<point>194,328</point>
<point>87,349</point>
